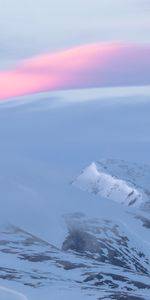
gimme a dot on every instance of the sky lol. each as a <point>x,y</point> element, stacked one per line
<point>35,29</point>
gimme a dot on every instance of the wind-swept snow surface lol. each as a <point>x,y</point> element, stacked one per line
<point>8,294</point>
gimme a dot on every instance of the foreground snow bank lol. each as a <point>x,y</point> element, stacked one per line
<point>8,294</point>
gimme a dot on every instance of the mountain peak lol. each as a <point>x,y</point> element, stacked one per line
<point>104,184</point>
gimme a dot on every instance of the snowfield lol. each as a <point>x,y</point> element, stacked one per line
<point>67,234</point>
<point>6,294</point>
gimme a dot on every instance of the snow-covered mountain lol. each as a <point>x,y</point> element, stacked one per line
<point>85,240</point>
<point>99,256</point>
<point>98,181</point>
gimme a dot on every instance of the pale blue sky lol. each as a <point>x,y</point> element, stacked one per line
<point>29,27</point>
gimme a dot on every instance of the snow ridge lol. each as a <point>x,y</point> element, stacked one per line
<point>108,186</point>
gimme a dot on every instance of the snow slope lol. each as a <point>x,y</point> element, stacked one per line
<point>99,251</point>
<point>60,241</point>
<point>6,294</point>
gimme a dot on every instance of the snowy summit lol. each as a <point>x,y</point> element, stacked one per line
<point>108,186</point>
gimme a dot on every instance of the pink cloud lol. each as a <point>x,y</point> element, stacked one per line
<point>97,65</point>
